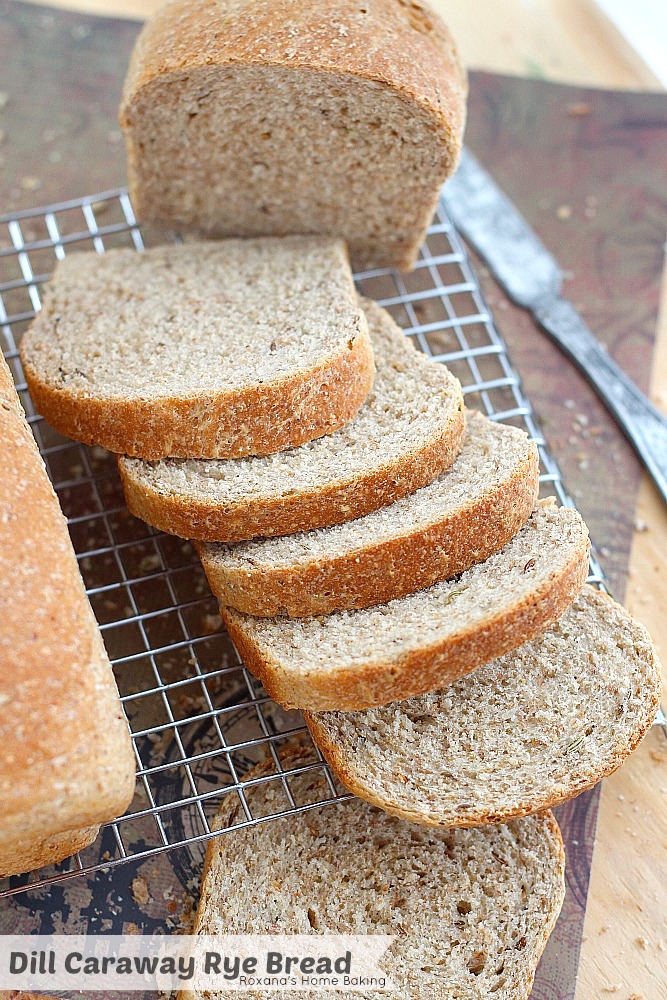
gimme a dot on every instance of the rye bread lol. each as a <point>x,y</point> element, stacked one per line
<point>359,659</point>
<point>66,758</point>
<point>524,733</point>
<point>471,911</point>
<point>461,518</point>
<point>209,350</point>
<point>409,430</point>
<point>251,117</point>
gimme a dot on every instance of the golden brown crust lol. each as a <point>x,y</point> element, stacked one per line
<point>390,569</point>
<point>538,803</point>
<point>422,670</point>
<point>66,760</point>
<point>339,502</point>
<point>293,757</point>
<point>27,856</point>
<point>259,420</point>
<point>400,43</point>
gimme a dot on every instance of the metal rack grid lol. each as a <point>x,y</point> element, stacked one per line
<point>199,720</point>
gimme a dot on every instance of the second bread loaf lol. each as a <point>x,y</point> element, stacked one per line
<point>252,117</point>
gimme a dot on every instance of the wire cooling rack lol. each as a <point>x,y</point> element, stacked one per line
<point>199,720</point>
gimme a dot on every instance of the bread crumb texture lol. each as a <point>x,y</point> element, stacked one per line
<point>370,462</point>
<point>470,511</point>
<point>525,732</point>
<point>470,910</point>
<point>361,658</point>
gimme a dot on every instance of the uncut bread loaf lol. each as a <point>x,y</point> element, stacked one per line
<point>358,659</point>
<point>470,511</point>
<point>253,117</point>
<point>66,760</point>
<point>214,350</point>
<point>524,733</point>
<point>470,911</point>
<point>410,429</point>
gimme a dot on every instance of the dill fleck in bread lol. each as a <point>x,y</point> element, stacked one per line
<point>211,350</point>
<point>410,429</point>
<point>466,514</point>
<point>358,659</point>
<point>470,910</point>
<point>524,733</point>
<point>253,117</point>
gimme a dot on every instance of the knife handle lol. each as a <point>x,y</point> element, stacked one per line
<point>644,425</point>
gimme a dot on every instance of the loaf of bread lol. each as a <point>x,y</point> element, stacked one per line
<point>470,911</point>
<point>524,733</point>
<point>410,429</point>
<point>358,659</point>
<point>256,117</point>
<point>66,760</point>
<point>461,518</point>
<point>214,350</point>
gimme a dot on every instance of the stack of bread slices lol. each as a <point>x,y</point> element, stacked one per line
<point>380,556</point>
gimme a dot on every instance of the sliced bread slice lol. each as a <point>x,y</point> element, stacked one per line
<point>470,910</point>
<point>422,642</point>
<point>408,431</point>
<point>211,350</point>
<point>530,730</point>
<point>470,511</point>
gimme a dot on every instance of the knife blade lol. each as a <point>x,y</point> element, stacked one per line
<point>532,278</point>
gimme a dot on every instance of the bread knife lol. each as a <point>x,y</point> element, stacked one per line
<point>531,277</point>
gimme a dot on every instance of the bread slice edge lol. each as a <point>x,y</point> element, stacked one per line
<point>340,767</point>
<point>224,425</point>
<point>377,574</point>
<point>193,518</point>
<point>421,670</point>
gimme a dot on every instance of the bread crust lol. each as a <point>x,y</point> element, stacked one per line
<point>293,757</point>
<point>26,857</point>
<point>379,682</point>
<point>66,759</point>
<point>401,45</point>
<point>259,419</point>
<point>382,572</point>
<point>426,68</point>
<point>341,501</point>
<point>538,803</point>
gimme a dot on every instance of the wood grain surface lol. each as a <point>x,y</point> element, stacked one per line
<point>567,40</point>
<point>624,954</point>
